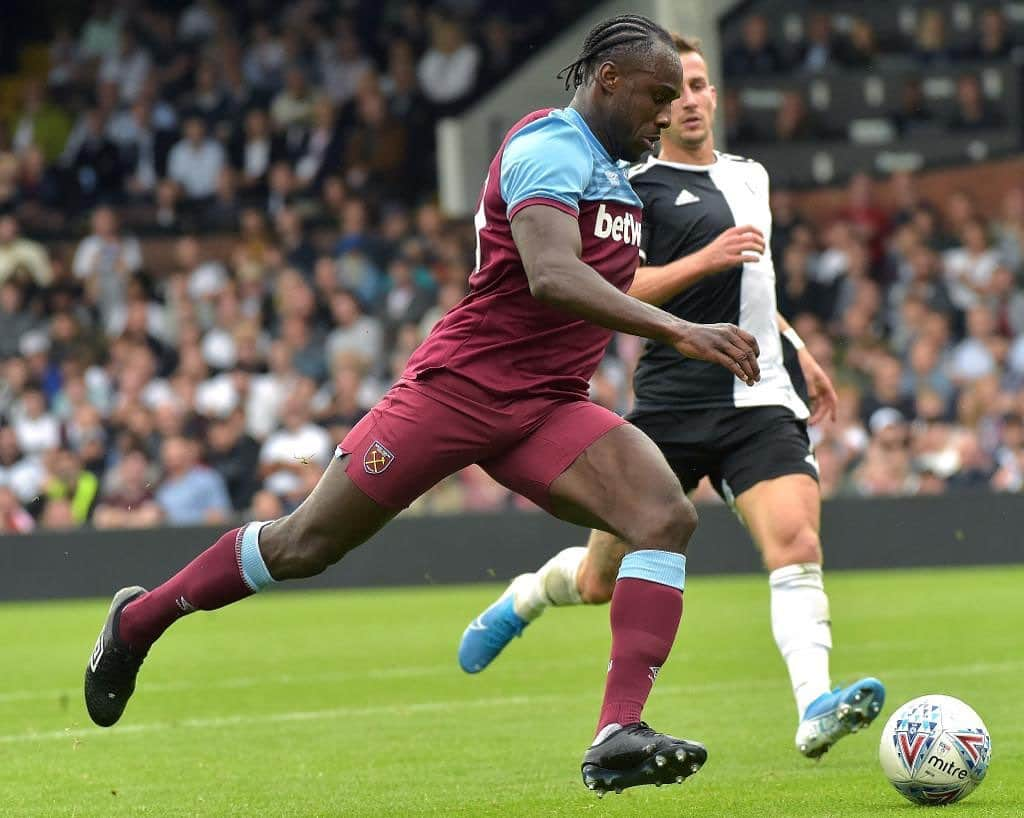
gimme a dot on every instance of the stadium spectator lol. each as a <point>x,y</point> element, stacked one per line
<point>994,39</point>
<point>1006,301</point>
<point>1009,228</point>
<point>341,63</point>
<point>128,500</point>
<point>22,259</point>
<point>99,34</point>
<point>255,151</point>
<point>198,22</point>
<point>498,49</point>
<point>235,455</point>
<point>39,122</point>
<point>104,262</point>
<point>925,371</point>
<point>37,430</point>
<point>886,467</point>
<point>913,112</point>
<point>885,390</point>
<point>321,150</point>
<point>14,518</point>
<point>448,69</point>
<point>20,473</point>
<point>755,54</point>
<point>793,122</point>
<point>95,162</point>
<point>264,60</point>
<point>931,40</point>
<point>87,437</point>
<point>127,66</point>
<point>869,221</point>
<point>973,357</point>
<point>969,267</point>
<point>68,482</point>
<point>133,133</point>
<point>377,150</point>
<point>191,494</point>
<point>267,391</point>
<point>297,447</point>
<point>823,47</point>
<point>209,101</point>
<point>973,112</point>
<point>861,45</point>
<point>739,127</point>
<point>196,161</point>
<point>63,57</point>
<point>353,332</point>
<point>292,108</point>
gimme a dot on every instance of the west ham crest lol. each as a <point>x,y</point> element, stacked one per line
<point>377,458</point>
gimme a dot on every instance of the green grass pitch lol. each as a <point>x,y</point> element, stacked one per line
<point>351,704</point>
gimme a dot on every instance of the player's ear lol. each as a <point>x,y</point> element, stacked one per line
<point>714,98</point>
<point>608,77</point>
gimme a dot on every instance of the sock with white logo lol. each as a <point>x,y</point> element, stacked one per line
<point>802,629</point>
<point>229,570</point>
<point>554,583</point>
<point>647,604</point>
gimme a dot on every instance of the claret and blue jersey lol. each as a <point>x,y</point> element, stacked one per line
<point>557,160</point>
<point>500,335</point>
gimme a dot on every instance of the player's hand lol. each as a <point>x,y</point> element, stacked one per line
<point>819,388</point>
<point>723,344</point>
<point>734,247</point>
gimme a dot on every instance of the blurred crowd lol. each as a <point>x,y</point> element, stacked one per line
<point>826,43</point>
<point>183,117</point>
<point>917,310</point>
<point>218,303</point>
<point>221,387</point>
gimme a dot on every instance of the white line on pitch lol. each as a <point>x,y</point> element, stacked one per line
<point>241,720</point>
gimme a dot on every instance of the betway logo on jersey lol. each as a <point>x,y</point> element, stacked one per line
<point>619,228</point>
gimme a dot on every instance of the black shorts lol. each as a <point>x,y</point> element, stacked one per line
<point>735,448</point>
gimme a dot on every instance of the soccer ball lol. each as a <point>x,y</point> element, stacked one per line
<point>935,750</point>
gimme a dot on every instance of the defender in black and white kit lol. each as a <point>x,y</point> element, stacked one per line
<point>706,259</point>
<point>707,424</point>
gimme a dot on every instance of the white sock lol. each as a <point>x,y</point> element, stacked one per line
<point>554,583</point>
<point>802,629</point>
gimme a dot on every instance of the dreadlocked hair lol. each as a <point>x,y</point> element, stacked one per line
<point>626,32</point>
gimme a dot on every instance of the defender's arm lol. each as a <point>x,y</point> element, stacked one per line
<point>550,246</point>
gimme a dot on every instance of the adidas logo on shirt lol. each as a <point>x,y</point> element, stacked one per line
<point>685,198</point>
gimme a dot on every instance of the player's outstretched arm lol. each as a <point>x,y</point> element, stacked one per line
<point>549,244</point>
<point>657,284</point>
<point>824,400</point>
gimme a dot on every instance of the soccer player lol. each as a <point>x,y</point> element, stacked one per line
<point>706,219</point>
<point>502,381</point>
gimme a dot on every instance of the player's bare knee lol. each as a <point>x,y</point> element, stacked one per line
<point>800,546</point>
<point>668,525</point>
<point>292,549</point>
<point>595,586</point>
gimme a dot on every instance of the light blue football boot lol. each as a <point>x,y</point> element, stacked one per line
<point>834,715</point>
<point>487,635</point>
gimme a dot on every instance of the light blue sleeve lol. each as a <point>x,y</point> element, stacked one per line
<point>548,159</point>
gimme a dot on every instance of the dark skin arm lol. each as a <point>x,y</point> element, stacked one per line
<point>550,246</point>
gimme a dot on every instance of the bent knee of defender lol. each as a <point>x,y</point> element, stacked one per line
<point>795,547</point>
<point>595,587</point>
